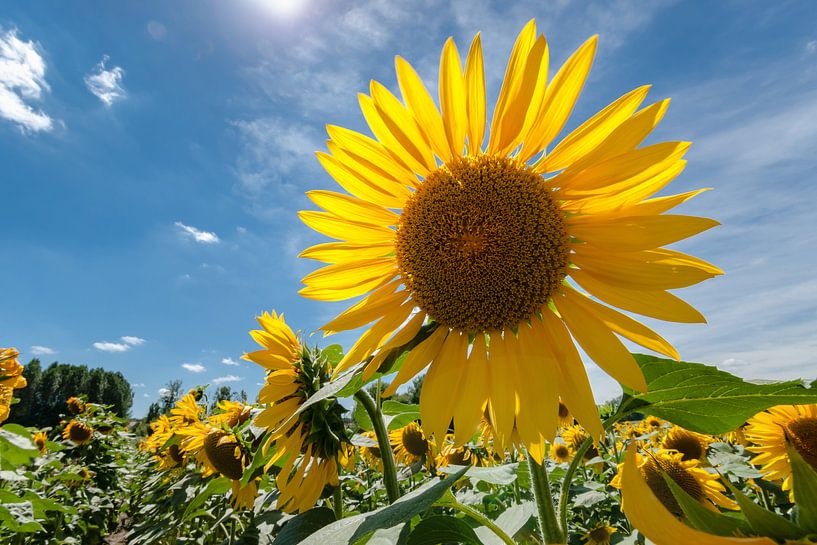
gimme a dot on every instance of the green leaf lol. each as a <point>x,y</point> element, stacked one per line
<point>304,525</point>
<point>443,529</point>
<point>362,417</point>
<point>510,521</point>
<point>219,485</point>
<point>763,522</point>
<point>804,485</point>
<point>16,448</point>
<point>358,527</point>
<point>702,518</point>
<point>19,517</point>
<point>723,457</point>
<point>397,414</point>
<point>589,498</point>
<point>333,354</point>
<point>503,475</point>
<point>705,399</point>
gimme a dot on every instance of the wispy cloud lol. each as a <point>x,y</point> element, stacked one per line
<point>128,342</point>
<point>157,30</point>
<point>137,384</point>
<point>106,84</point>
<point>22,79</point>
<point>227,378</point>
<point>203,237</point>
<point>194,367</point>
<point>811,46</point>
<point>38,350</point>
<point>229,361</point>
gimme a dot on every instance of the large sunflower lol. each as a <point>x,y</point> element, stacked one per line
<point>486,241</point>
<point>768,432</point>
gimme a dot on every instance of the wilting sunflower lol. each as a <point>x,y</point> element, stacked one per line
<point>312,443</point>
<point>703,486</point>
<point>599,535</point>
<point>11,378</point>
<point>75,405</point>
<point>561,452</point>
<point>78,432</point>
<point>768,431</point>
<point>690,444</point>
<point>485,241</point>
<point>40,439</point>
<point>409,443</point>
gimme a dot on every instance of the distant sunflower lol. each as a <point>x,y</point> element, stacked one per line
<point>483,242</point>
<point>703,486</point>
<point>11,378</point>
<point>78,432</point>
<point>40,439</point>
<point>599,535</point>
<point>690,444</point>
<point>75,405</point>
<point>768,431</point>
<point>561,453</point>
<point>409,443</point>
<point>565,418</point>
<point>230,413</point>
<point>371,453</point>
<point>651,424</point>
<point>312,443</point>
<point>186,411</point>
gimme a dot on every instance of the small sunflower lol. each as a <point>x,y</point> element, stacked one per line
<point>498,243</point>
<point>161,431</point>
<point>409,443</point>
<point>371,453</point>
<point>40,439</point>
<point>601,534</point>
<point>78,432</point>
<point>186,411</point>
<point>574,436</point>
<point>313,442</point>
<point>738,436</point>
<point>465,455</point>
<point>651,424</point>
<point>703,486</point>
<point>690,444</point>
<point>565,418</point>
<point>768,432</point>
<point>231,414</point>
<point>561,452</point>
<point>75,405</point>
<point>11,378</point>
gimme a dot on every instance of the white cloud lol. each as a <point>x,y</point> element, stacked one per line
<point>22,79</point>
<point>106,346</point>
<point>204,237</point>
<point>229,361</point>
<point>106,84</point>
<point>811,46</point>
<point>138,385</point>
<point>227,378</point>
<point>194,367</point>
<point>145,395</point>
<point>133,341</point>
<point>157,30</point>
<point>164,392</point>
<point>38,350</point>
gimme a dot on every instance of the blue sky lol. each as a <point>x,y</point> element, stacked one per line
<point>154,155</point>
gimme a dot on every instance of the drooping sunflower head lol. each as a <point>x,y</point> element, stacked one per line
<point>691,445</point>
<point>78,433</point>
<point>768,432</point>
<point>231,413</point>
<point>703,486</point>
<point>561,452</point>
<point>40,439</point>
<point>225,454</point>
<point>490,242</point>
<point>75,405</point>
<point>409,443</point>
<point>601,534</point>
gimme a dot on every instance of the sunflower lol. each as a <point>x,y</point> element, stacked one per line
<point>409,443</point>
<point>78,432</point>
<point>565,418</point>
<point>370,453</point>
<point>161,431</point>
<point>769,430</point>
<point>231,413</point>
<point>561,453</point>
<point>11,378</point>
<point>75,405</point>
<point>488,242</point>
<point>465,455</point>
<point>311,442</point>
<point>690,444</point>
<point>186,411</point>
<point>651,424</point>
<point>703,486</point>
<point>599,535</point>
<point>40,439</point>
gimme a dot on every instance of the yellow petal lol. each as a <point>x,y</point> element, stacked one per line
<point>443,377</point>
<point>368,309</point>
<point>375,335</point>
<point>356,184</point>
<point>475,91</point>
<point>394,143</point>
<point>401,337</point>
<point>625,326</point>
<point>662,204</point>
<point>473,394</point>
<point>634,233</point>
<point>268,360</point>
<point>560,99</point>
<point>653,303</point>
<point>502,394</point>
<point>419,101</point>
<point>344,206</point>
<point>417,359</point>
<point>594,131</point>
<point>366,150</point>
<point>599,342</point>
<point>536,385</point>
<point>344,229</point>
<point>343,252</point>
<point>452,98</point>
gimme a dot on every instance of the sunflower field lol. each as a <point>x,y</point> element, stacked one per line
<point>491,258</point>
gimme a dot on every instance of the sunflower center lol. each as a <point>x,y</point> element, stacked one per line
<point>79,432</point>
<point>803,434</point>
<point>562,451</point>
<point>414,442</point>
<point>225,456</point>
<point>600,534</point>
<point>652,470</point>
<point>687,444</point>
<point>482,244</point>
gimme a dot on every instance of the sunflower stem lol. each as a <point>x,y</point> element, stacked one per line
<point>386,454</point>
<point>548,525</point>
<point>568,479</point>
<point>482,519</point>
<point>337,502</point>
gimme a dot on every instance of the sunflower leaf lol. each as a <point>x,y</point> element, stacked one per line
<point>703,398</point>
<point>700,517</point>
<point>804,484</point>
<point>443,529</point>
<point>763,522</point>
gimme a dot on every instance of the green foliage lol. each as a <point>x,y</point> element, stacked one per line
<point>442,529</point>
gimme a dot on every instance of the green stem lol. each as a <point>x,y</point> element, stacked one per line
<point>540,485</point>
<point>386,454</point>
<point>337,502</point>
<point>568,478</point>
<point>482,519</point>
